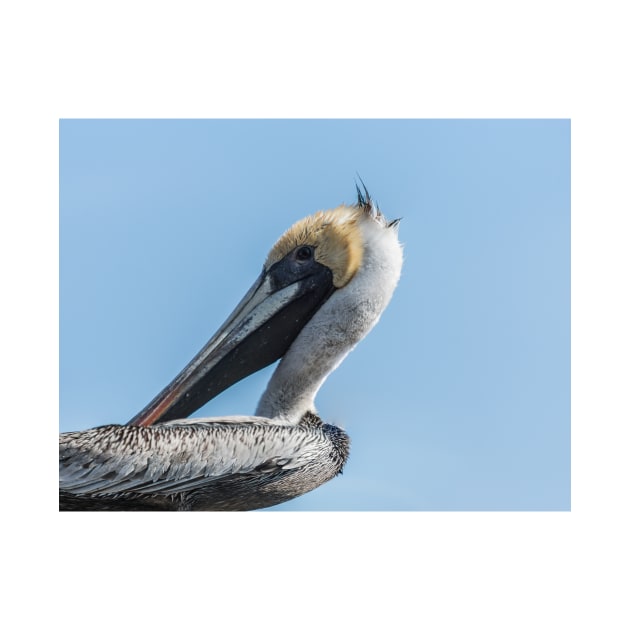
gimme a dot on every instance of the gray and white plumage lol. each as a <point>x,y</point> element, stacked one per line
<point>323,287</point>
<point>201,465</point>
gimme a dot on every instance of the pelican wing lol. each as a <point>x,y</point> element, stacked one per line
<point>180,456</point>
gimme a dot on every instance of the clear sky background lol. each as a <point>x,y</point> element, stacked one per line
<point>458,400</point>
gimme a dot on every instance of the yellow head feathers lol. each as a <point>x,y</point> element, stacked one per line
<point>335,236</point>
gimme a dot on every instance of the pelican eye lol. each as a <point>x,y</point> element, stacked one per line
<point>304,253</point>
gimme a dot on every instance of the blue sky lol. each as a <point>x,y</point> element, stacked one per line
<point>460,397</point>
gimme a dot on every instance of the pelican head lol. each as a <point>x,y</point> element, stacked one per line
<point>323,286</point>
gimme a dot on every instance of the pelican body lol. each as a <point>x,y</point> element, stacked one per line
<point>323,287</point>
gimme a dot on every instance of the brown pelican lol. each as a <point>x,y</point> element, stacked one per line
<point>323,286</point>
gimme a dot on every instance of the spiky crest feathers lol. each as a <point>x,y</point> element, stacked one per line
<point>335,236</point>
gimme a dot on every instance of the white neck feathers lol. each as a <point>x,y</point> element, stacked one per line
<point>336,328</point>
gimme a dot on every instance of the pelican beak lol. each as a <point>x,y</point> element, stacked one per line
<point>258,332</point>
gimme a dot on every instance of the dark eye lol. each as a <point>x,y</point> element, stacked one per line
<point>304,253</point>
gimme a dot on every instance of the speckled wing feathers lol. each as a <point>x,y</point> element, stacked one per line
<point>165,459</point>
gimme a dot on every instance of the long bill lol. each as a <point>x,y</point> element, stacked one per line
<point>258,332</point>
